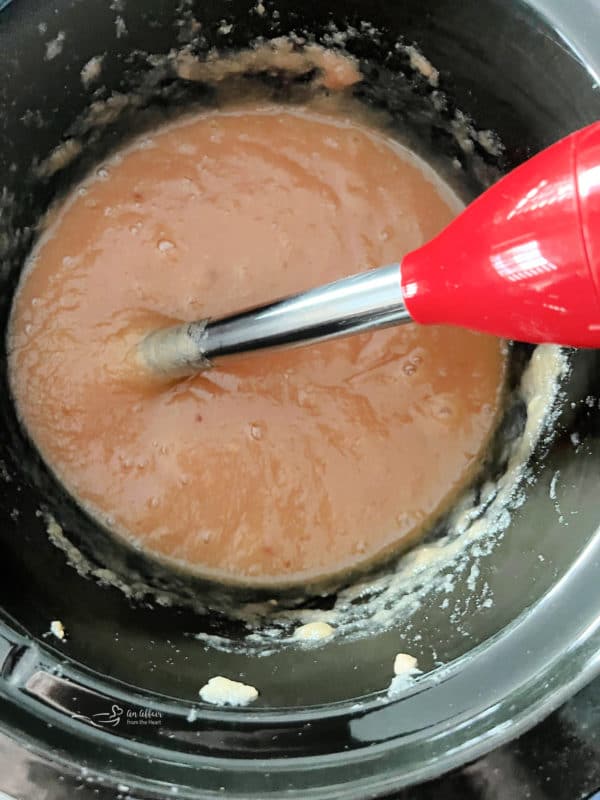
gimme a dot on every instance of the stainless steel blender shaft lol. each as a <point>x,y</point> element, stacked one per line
<point>356,304</point>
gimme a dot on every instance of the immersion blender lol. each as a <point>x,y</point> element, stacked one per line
<point>520,262</point>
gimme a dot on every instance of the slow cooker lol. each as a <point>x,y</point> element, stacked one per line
<point>115,705</point>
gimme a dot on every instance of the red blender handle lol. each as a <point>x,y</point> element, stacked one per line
<point>523,260</point>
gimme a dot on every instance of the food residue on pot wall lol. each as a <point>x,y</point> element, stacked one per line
<point>423,65</point>
<point>57,629</point>
<point>92,71</point>
<point>222,691</point>
<point>55,46</point>
<point>406,670</point>
<point>62,155</point>
<point>314,631</point>
<point>405,663</point>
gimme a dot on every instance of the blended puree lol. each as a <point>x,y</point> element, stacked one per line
<point>276,468</point>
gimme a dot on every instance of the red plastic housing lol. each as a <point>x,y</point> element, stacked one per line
<point>523,260</point>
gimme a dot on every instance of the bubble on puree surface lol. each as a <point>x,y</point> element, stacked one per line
<point>277,468</point>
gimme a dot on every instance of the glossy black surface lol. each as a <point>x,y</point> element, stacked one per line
<point>558,760</point>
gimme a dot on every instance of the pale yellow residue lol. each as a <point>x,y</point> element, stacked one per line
<point>91,71</point>
<point>59,158</point>
<point>539,379</point>
<point>52,527</point>
<point>405,674</point>
<point>58,629</point>
<point>104,112</point>
<point>314,631</point>
<point>422,65</point>
<point>404,663</point>
<point>221,691</point>
<point>336,71</point>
